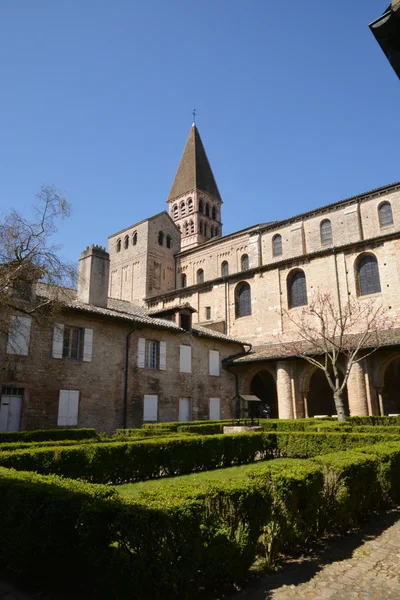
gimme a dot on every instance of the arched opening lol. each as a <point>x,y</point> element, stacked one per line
<point>207,210</point>
<point>201,207</point>
<point>390,395</point>
<point>190,205</point>
<point>160,238</point>
<point>126,242</point>
<point>320,396</point>
<point>242,300</point>
<point>213,213</point>
<point>264,387</point>
<point>169,241</point>
<point>134,239</point>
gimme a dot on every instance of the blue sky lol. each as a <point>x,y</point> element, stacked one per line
<point>296,105</point>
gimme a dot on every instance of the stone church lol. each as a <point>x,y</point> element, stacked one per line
<point>246,283</point>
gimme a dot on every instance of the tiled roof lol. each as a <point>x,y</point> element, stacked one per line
<point>126,311</point>
<point>389,337</point>
<point>194,170</point>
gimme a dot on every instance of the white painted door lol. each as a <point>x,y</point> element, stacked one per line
<point>215,409</point>
<point>10,412</point>
<point>150,408</point>
<point>184,409</point>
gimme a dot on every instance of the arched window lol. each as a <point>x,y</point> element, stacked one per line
<point>201,206</point>
<point>277,245</point>
<point>191,227</point>
<point>297,289</point>
<point>243,300</point>
<point>169,241</point>
<point>212,231</point>
<point>160,238</point>
<point>216,231</point>
<point>245,262</point>
<point>213,213</point>
<point>201,227</point>
<point>175,211</point>
<point>225,269</point>
<point>205,229</point>
<point>368,276</point>
<point>186,228</point>
<point>200,276</point>
<point>190,205</point>
<point>207,210</point>
<point>326,232</point>
<point>183,280</point>
<point>134,239</point>
<point>118,245</point>
<point>126,242</point>
<point>385,214</point>
<point>183,209</point>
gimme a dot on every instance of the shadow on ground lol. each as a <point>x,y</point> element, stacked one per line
<point>302,570</point>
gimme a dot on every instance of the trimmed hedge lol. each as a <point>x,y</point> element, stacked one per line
<point>306,444</point>
<point>120,462</point>
<point>196,536</point>
<point>43,435</point>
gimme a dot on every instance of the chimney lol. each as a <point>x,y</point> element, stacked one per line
<point>94,271</point>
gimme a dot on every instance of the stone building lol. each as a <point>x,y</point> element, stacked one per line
<point>247,284</point>
<point>161,314</point>
<point>105,364</point>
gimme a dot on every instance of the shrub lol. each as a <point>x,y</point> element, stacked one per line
<point>42,435</point>
<point>352,489</point>
<point>119,462</point>
<point>389,469</point>
<point>202,429</point>
<point>374,420</point>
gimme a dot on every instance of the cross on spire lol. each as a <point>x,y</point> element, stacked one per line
<point>194,116</point>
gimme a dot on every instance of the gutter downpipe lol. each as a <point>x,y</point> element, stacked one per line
<point>125,396</point>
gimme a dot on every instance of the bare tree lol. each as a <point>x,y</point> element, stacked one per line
<point>334,339</point>
<point>28,260</point>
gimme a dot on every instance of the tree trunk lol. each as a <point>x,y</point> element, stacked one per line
<point>339,404</point>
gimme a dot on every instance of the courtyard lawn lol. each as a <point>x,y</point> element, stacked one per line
<point>132,490</point>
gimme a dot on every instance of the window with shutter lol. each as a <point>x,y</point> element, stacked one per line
<point>150,408</point>
<point>243,300</point>
<point>215,409</point>
<point>368,276</point>
<point>152,354</point>
<point>214,363</point>
<point>141,352</point>
<point>297,289</point>
<point>326,232</point>
<point>385,214</point>
<point>19,334</point>
<point>68,408</point>
<point>73,342</point>
<point>277,245</point>
<point>185,359</point>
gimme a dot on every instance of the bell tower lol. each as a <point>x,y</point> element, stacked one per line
<point>194,202</point>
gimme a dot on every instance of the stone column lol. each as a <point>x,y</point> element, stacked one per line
<point>284,389</point>
<point>357,391</point>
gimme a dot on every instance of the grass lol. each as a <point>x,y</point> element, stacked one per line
<point>132,490</point>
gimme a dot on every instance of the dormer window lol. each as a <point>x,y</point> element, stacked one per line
<point>186,320</point>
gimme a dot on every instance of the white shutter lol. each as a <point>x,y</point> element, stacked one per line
<point>184,409</point>
<point>141,352</point>
<point>150,408</point>
<point>63,408</point>
<point>58,340</point>
<point>19,335</point>
<point>73,406</point>
<point>163,356</point>
<point>68,406</point>
<point>185,359</point>
<point>88,345</point>
<point>215,409</point>
<point>214,363</point>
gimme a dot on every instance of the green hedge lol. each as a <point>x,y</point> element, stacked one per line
<point>138,460</point>
<point>306,444</point>
<point>121,434</point>
<point>43,435</point>
<point>373,421</point>
<point>119,462</point>
<point>204,536</point>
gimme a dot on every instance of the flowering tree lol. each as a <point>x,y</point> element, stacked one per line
<point>333,339</point>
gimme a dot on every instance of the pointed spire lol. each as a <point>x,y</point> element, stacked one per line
<point>194,171</point>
